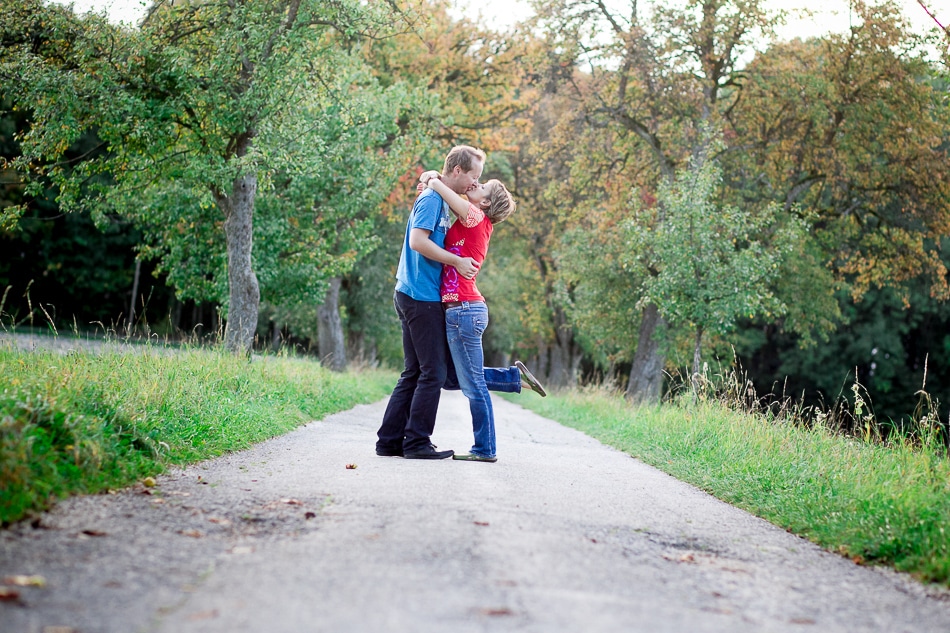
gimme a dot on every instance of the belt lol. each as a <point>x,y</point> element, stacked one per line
<point>459,304</point>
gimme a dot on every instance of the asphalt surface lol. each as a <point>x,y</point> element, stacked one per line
<point>313,532</point>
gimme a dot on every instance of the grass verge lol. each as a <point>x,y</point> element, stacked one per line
<point>879,504</point>
<point>84,422</point>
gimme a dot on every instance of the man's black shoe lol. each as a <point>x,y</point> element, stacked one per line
<point>388,451</point>
<point>427,452</point>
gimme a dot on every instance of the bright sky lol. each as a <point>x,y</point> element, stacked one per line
<point>830,15</point>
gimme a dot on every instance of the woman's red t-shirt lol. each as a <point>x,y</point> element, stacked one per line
<point>466,238</point>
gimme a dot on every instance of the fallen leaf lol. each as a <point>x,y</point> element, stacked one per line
<point>292,502</point>
<point>309,515</point>
<point>717,610</point>
<point>25,581</point>
<point>94,533</point>
<point>220,521</point>
<point>58,629</point>
<point>204,615</point>
<point>191,533</point>
<point>498,611</point>
<point>684,558</point>
<point>481,522</point>
<point>9,594</point>
<point>350,466</point>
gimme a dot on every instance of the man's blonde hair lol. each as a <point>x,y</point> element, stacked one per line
<point>464,157</point>
<point>500,203</point>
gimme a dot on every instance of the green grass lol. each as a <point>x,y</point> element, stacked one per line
<point>84,423</point>
<point>875,503</point>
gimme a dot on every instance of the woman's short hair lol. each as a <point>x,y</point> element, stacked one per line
<point>500,203</point>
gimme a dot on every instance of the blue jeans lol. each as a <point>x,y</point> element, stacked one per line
<point>464,327</point>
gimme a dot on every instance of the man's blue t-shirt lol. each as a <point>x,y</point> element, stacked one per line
<point>418,276</point>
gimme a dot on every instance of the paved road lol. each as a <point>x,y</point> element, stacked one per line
<point>562,534</point>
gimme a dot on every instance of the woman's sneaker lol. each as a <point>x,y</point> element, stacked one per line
<point>474,457</point>
<point>528,378</point>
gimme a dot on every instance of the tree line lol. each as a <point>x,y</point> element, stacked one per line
<point>692,191</point>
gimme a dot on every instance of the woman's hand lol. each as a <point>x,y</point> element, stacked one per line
<point>426,176</point>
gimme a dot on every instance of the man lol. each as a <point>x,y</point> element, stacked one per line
<point>410,416</point>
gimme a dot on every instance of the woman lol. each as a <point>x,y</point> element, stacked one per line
<point>466,313</point>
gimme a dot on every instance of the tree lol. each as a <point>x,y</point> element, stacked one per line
<point>715,262</point>
<point>199,108</point>
<point>652,78</point>
<point>853,129</point>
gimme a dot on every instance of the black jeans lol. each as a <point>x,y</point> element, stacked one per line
<point>410,415</point>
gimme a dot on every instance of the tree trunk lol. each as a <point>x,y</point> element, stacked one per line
<point>646,374</point>
<point>275,336</point>
<point>558,369</point>
<point>363,348</point>
<point>563,355</point>
<point>332,347</point>
<point>174,315</point>
<point>544,359</point>
<point>697,358</point>
<point>244,292</point>
<point>564,361</point>
<point>135,293</point>
<point>196,315</point>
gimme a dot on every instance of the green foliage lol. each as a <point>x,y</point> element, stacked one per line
<point>204,98</point>
<point>705,263</point>
<point>853,128</point>
<point>895,350</point>
<point>607,288</point>
<point>86,423</point>
<point>713,263</point>
<point>323,219</point>
<point>373,331</point>
<point>79,273</point>
<point>877,504</point>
